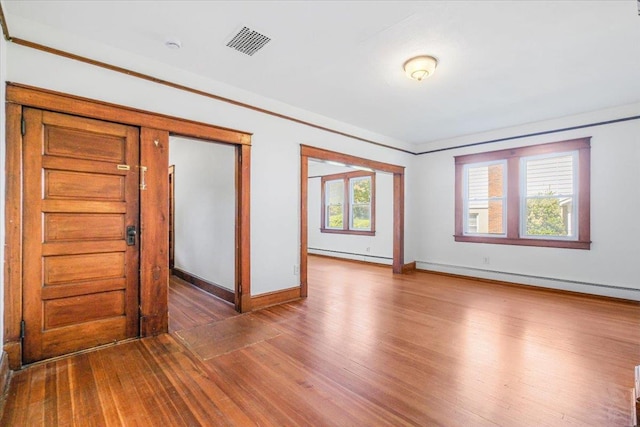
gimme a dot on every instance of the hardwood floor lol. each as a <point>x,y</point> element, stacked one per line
<point>190,306</point>
<point>366,348</point>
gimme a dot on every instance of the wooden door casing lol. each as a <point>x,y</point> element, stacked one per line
<point>80,278</point>
<point>172,215</point>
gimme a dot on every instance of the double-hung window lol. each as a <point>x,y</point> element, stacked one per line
<point>536,196</point>
<point>348,203</point>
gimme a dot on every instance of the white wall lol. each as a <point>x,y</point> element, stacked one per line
<point>610,268</point>
<point>275,153</point>
<point>204,209</point>
<point>612,261</point>
<point>380,246</point>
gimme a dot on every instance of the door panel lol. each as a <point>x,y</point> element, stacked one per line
<point>82,308</point>
<point>91,144</point>
<point>80,277</point>
<point>81,185</point>
<point>72,227</point>
<point>75,268</point>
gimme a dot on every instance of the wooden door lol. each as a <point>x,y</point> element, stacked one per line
<point>80,193</point>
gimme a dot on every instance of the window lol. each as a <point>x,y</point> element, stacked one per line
<point>535,196</point>
<point>348,203</point>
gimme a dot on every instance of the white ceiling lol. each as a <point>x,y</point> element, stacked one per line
<point>501,63</point>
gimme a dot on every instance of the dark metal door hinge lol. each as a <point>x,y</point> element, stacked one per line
<point>23,326</point>
<point>23,126</point>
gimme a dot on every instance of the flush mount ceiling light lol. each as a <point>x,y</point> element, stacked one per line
<point>420,67</point>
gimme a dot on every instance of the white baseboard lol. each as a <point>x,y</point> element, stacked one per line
<point>526,279</point>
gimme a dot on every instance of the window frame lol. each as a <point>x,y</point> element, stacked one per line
<point>514,182</point>
<point>346,177</point>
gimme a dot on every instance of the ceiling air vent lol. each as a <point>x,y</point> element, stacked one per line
<point>248,41</point>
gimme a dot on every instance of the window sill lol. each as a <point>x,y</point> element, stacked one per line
<point>549,243</point>
<point>353,232</point>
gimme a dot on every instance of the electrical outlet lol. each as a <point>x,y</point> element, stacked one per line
<point>486,260</point>
<point>296,270</point>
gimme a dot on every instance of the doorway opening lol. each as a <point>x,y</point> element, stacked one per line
<point>350,212</point>
<point>202,224</point>
<point>353,163</point>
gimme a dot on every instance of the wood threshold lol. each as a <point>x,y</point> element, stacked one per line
<point>208,287</point>
<point>268,299</point>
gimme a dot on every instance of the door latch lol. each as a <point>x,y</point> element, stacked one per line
<point>131,235</point>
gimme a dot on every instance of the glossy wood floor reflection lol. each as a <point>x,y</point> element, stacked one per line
<point>366,348</point>
<point>190,306</point>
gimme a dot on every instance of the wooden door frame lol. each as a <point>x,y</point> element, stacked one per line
<point>172,215</point>
<point>307,152</point>
<point>154,145</point>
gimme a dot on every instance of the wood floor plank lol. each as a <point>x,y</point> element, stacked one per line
<point>366,348</point>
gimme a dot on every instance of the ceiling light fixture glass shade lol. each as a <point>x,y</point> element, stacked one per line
<point>420,67</point>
